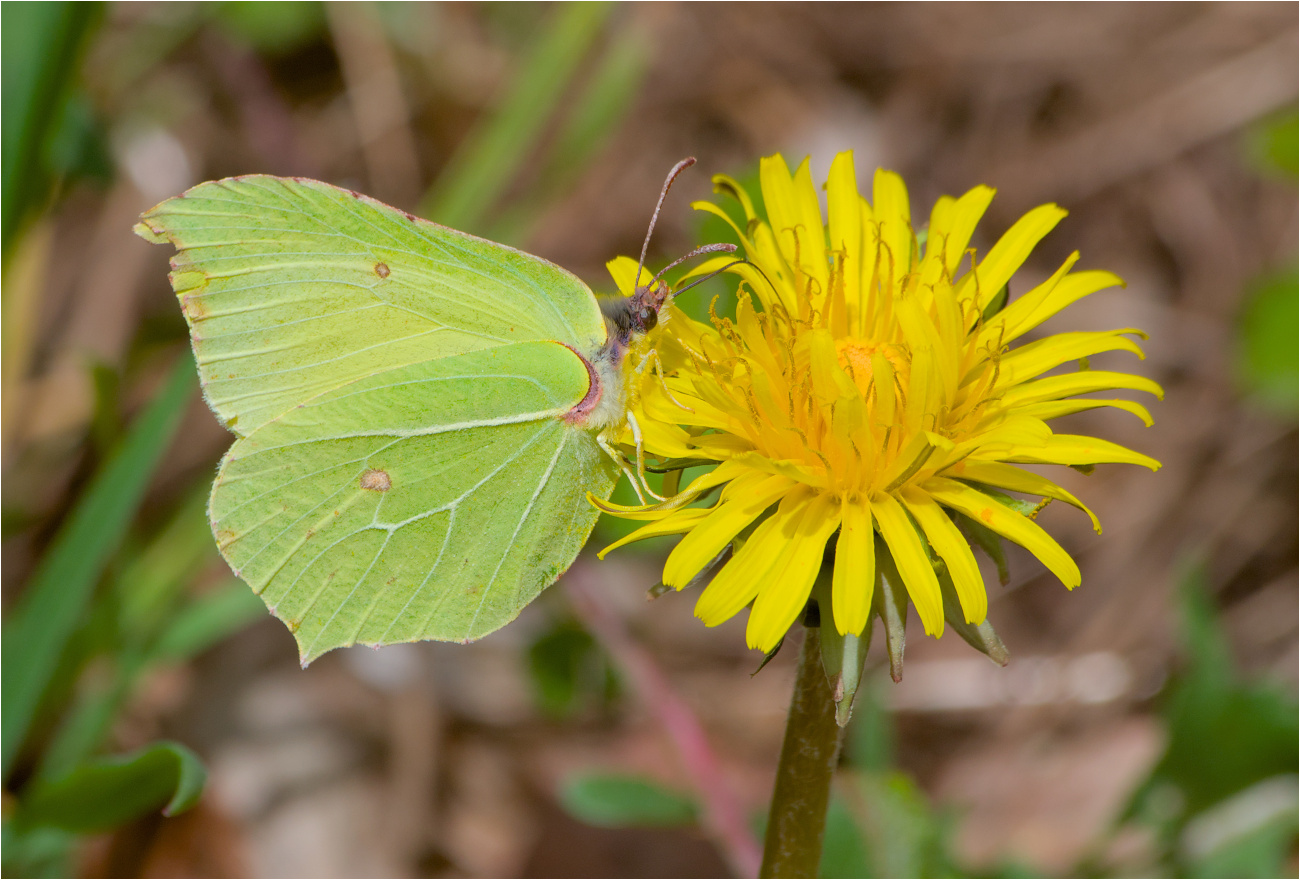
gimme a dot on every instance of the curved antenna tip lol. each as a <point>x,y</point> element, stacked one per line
<point>654,218</point>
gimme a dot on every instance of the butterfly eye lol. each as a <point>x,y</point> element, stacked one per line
<point>648,318</point>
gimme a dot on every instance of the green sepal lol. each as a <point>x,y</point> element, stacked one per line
<point>979,636</point>
<point>889,603</point>
<point>101,795</point>
<point>669,465</point>
<point>842,655</point>
<point>657,590</point>
<point>701,578</point>
<point>987,540</point>
<point>1019,505</point>
<point>998,303</point>
<point>768,657</point>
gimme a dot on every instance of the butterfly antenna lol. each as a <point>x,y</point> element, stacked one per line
<point>702,249</point>
<point>672,175</point>
<point>699,281</point>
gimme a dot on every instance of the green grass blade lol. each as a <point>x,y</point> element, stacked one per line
<point>602,104</point>
<point>48,610</point>
<point>41,43</point>
<point>146,597</point>
<point>190,631</point>
<point>487,161</point>
<point>87,723</point>
<point>149,585</point>
<point>206,621</point>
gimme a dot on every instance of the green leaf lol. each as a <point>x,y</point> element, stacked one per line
<point>83,728</point>
<point>1224,736</point>
<point>48,610</point>
<point>1269,347</point>
<point>152,626</point>
<point>1276,144</point>
<point>35,852</point>
<point>900,834</point>
<point>612,800</point>
<point>869,742</point>
<point>103,794</point>
<point>609,94</point>
<point>78,144</point>
<point>844,854</point>
<point>567,669</point>
<point>273,28</point>
<point>1251,834</point>
<point>487,161</point>
<point>42,43</point>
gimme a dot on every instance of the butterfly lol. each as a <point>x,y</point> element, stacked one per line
<point>420,413</point>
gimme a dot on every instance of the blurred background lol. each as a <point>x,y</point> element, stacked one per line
<point>1147,721</point>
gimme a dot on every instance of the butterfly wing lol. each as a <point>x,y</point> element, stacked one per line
<point>292,287</point>
<point>403,470</point>
<point>432,501</point>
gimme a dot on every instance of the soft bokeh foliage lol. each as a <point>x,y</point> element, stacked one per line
<point>550,127</point>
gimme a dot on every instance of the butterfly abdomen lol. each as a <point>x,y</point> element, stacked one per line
<point>603,404</point>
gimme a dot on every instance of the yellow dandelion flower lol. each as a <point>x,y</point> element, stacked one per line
<point>868,386</point>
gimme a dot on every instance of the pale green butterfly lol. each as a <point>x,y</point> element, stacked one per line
<point>420,413</point>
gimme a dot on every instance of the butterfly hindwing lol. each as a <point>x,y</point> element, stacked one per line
<point>432,501</point>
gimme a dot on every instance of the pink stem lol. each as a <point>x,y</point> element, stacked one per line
<point>724,815</point>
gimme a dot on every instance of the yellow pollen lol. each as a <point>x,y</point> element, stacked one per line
<point>867,362</point>
<point>856,359</point>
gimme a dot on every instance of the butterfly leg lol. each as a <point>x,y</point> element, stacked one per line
<point>640,454</point>
<point>622,464</point>
<point>657,366</point>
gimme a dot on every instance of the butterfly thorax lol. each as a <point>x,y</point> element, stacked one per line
<point>626,315</point>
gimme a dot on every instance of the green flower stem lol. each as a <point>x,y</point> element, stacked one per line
<point>797,821</point>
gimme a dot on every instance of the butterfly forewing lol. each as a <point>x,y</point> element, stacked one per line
<point>293,287</point>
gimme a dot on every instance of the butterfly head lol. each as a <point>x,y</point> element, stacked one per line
<point>638,314</point>
<point>630,316</point>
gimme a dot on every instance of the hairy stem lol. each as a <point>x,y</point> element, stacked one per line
<point>797,820</point>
